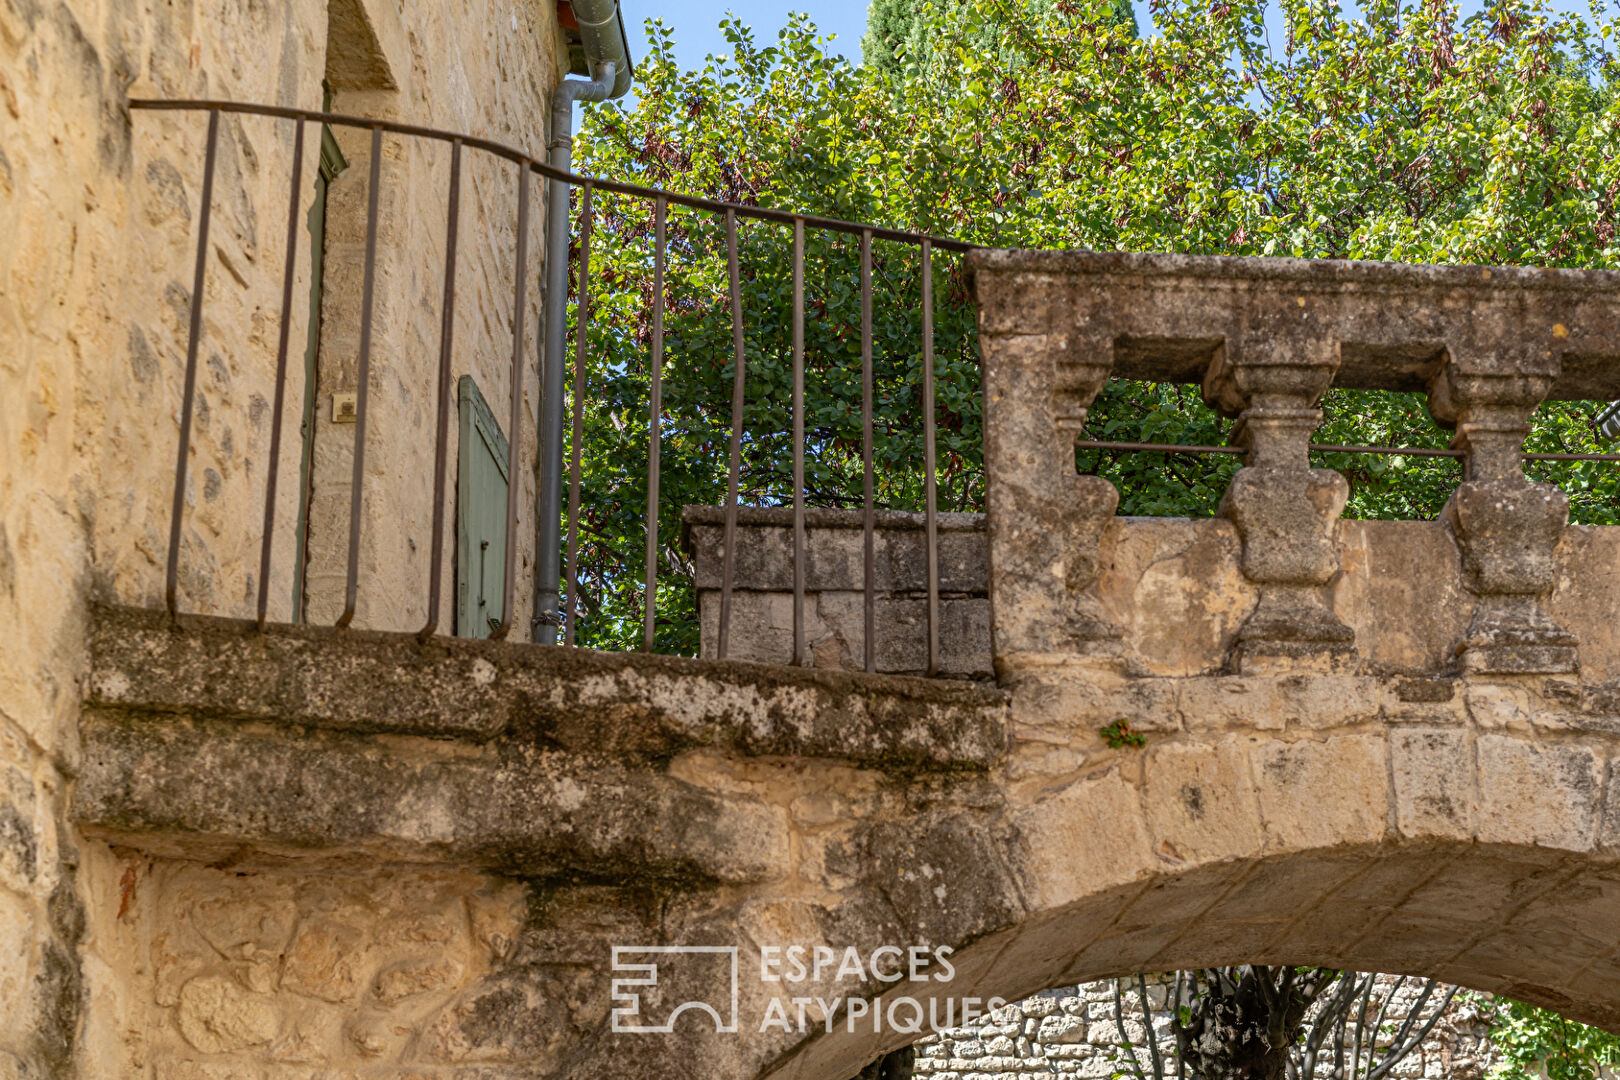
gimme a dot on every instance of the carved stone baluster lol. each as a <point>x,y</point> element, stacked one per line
<point>1045,519</point>
<point>1507,528</point>
<point>1286,513</point>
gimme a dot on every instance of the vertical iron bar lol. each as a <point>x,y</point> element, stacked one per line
<point>798,441</point>
<point>190,392</point>
<point>930,494</point>
<point>363,379</point>
<point>441,445</point>
<point>728,575</point>
<point>867,510</point>
<point>281,371</point>
<point>514,440</point>
<point>654,408</point>
<point>582,317</point>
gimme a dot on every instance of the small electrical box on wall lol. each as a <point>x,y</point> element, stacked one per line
<point>345,408</point>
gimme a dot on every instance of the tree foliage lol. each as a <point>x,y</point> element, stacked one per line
<point>1535,1043</point>
<point>1407,133</point>
<point>899,44</point>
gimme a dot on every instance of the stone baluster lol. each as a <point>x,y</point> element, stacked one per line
<point>1286,513</point>
<point>1506,527</point>
<point>1045,519</point>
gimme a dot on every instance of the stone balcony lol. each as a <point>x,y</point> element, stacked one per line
<point>1269,736</point>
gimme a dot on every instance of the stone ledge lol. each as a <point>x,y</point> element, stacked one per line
<point>630,708</point>
<point>221,791</point>
<point>1166,314</point>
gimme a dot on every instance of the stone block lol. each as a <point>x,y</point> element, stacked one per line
<point>1537,794</point>
<point>216,1015</point>
<point>1061,1029</point>
<point>1322,793</point>
<point>1208,810</point>
<point>834,550</point>
<point>1433,773</point>
<point>1099,816</point>
<point>1176,590</point>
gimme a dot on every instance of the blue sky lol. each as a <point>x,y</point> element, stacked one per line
<point>696,21</point>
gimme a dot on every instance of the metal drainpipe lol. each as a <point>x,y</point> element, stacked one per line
<point>548,542</point>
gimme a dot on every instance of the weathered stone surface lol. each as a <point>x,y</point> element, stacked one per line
<point>835,550</point>
<point>1182,824</point>
<point>1165,315</point>
<point>1507,528</point>
<point>1175,587</point>
<point>1266,338</point>
<point>585,702</point>
<point>1533,794</point>
<point>530,813</point>
<point>1267,818</point>
<point>1433,774</point>
<point>1323,793</point>
<point>99,205</point>
<point>216,1015</point>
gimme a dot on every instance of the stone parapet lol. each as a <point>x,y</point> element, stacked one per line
<point>835,584</point>
<point>1175,589</point>
<point>1265,339</point>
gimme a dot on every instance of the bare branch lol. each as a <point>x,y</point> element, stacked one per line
<point>1147,1027</point>
<point>1401,1051</point>
<point>1119,1022</point>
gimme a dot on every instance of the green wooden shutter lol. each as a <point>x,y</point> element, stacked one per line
<point>481,486</point>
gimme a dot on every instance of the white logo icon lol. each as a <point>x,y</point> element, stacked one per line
<point>627,992</point>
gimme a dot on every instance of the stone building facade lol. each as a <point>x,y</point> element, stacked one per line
<point>112,965</point>
<point>297,852</point>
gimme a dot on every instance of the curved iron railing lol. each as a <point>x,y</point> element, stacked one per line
<point>728,215</point>
<point>527,164</point>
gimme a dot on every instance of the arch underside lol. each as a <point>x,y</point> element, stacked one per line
<point>1529,922</point>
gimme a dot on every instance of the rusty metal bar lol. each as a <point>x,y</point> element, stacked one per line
<point>441,437</point>
<point>363,379</point>
<point>192,341</point>
<point>576,447</point>
<point>798,442</point>
<point>654,409</point>
<point>738,400</point>
<point>288,273</point>
<point>1320,448</point>
<point>514,439</point>
<point>714,206</point>
<point>930,493</point>
<point>1572,457</point>
<point>1155,448</point>
<point>868,512</point>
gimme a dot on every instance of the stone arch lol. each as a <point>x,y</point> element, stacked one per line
<point>1480,854</point>
<point>1487,860</point>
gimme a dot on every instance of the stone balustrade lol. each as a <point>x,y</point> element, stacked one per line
<point>1266,339</point>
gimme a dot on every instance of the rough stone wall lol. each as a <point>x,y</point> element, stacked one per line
<point>469,69</point>
<point>99,208</point>
<point>1074,1031</point>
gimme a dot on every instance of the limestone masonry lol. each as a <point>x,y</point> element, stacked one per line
<point>300,852</point>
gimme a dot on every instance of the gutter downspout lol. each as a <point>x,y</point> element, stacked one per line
<point>610,73</point>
